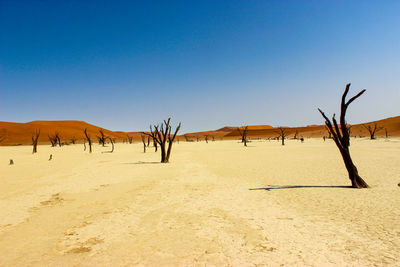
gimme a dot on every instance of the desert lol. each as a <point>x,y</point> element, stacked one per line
<point>215,203</point>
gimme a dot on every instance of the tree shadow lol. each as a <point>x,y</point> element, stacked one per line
<point>144,162</point>
<point>274,187</point>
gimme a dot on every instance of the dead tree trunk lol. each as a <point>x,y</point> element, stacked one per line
<point>73,140</point>
<point>130,138</point>
<point>283,133</point>
<point>155,144</point>
<point>341,138</point>
<point>372,130</point>
<point>386,133</point>
<point>162,135</point>
<point>35,137</point>
<point>88,140</point>
<point>243,135</point>
<point>206,138</point>
<point>58,139</point>
<point>112,143</point>
<point>102,138</point>
<point>53,140</point>
<point>144,143</point>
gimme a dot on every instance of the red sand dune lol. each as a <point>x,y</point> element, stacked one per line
<point>20,133</point>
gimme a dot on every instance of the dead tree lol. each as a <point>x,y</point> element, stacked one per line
<point>58,138</point>
<point>213,138</point>
<point>163,135</point>
<point>102,138</point>
<point>243,134</point>
<point>386,133</point>
<point>112,143</point>
<point>295,135</point>
<point>372,130</point>
<point>283,133</point>
<point>148,141</point>
<point>155,144</point>
<point>53,140</point>
<point>144,143</point>
<point>206,138</point>
<point>342,139</point>
<point>130,138</point>
<point>35,137</point>
<point>73,140</point>
<point>88,140</point>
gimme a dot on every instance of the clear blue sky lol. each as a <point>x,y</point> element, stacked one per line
<point>125,64</point>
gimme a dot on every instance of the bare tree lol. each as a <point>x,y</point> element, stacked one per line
<point>206,138</point>
<point>296,135</point>
<point>53,140</point>
<point>283,133</point>
<point>88,140</point>
<point>144,143</point>
<point>130,138</point>
<point>243,134</point>
<point>148,141</point>
<point>57,136</point>
<point>73,140</point>
<point>112,143</point>
<point>372,129</point>
<point>35,137</point>
<point>162,135</point>
<point>342,139</point>
<point>102,138</point>
<point>386,133</point>
<point>213,138</point>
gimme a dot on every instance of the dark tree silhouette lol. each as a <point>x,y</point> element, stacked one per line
<point>296,135</point>
<point>73,140</point>
<point>144,143</point>
<point>283,133</point>
<point>102,138</point>
<point>53,140</point>
<point>88,140</point>
<point>206,138</point>
<point>112,143</point>
<point>213,138</point>
<point>57,136</point>
<point>386,133</point>
<point>130,138</point>
<point>163,135</point>
<point>342,139</point>
<point>372,129</point>
<point>35,137</point>
<point>243,135</point>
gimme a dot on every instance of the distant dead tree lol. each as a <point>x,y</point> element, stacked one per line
<point>102,138</point>
<point>243,135</point>
<point>130,138</point>
<point>295,135</point>
<point>386,133</point>
<point>372,129</point>
<point>342,139</point>
<point>112,143</point>
<point>197,138</point>
<point>53,140</point>
<point>163,135</point>
<point>283,133</point>
<point>73,140</point>
<point>35,137</point>
<point>58,138</point>
<point>88,140</point>
<point>155,143</point>
<point>213,138</point>
<point>206,138</point>
<point>144,143</point>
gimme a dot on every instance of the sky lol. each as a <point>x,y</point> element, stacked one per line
<point>123,65</point>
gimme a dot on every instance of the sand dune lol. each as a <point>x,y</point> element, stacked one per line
<point>20,133</point>
<point>215,204</point>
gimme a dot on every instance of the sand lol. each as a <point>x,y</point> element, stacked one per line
<point>214,204</point>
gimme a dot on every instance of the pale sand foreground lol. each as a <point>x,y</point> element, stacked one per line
<point>125,208</point>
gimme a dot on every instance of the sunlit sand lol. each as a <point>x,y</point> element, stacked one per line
<point>214,204</point>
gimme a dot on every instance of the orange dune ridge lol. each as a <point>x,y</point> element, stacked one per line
<point>21,133</point>
<point>14,133</point>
